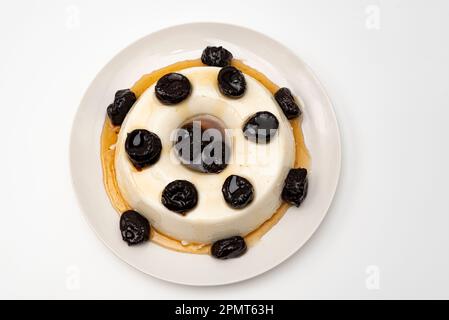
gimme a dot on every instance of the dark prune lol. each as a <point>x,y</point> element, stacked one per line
<point>229,248</point>
<point>123,101</point>
<point>261,127</point>
<point>215,157</point>
<point>199,151</point>
<point>180,196</point>
<point>231,82</point>
<point>195,143</point>
<point>216,57</point>
<point>295,187</point>
<point>237,191</point>
<point>143,148</point>
<point>287,103</point>
<point>134,227</point>
<point>173,88</point>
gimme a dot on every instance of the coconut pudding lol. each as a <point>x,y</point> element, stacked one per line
<point>205,155</point>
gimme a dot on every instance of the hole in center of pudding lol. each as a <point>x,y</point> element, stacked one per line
<point>202,145</point>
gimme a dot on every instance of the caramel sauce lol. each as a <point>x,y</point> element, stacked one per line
<point>109,138</point>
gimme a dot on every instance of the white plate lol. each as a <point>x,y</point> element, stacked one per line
<point>186,42</point>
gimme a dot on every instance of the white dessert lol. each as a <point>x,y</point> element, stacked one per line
<point>264,165</point>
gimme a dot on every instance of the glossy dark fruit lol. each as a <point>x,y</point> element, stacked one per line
<point>295,187</point>
<point>287,103</point>
<point>229,248</point>
<point>180,196</point>
<point>231,82</point>
<point>143,148</point>
<point>200,152</point>
<point>261,127</point>
<point>213,160</point>
<point>216,57</point>
<point>196,145</point>
<point>123,101</point>
<point>237,192</point>
<point>173,88</point>
<point>134,227</point>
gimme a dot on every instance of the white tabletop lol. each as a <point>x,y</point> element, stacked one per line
<point>385,66</point>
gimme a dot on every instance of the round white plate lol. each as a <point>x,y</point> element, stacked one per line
<point>187,42</point>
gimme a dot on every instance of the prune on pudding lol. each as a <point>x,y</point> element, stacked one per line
<point>295,187</point>
<point>143,148</point>
<point>203,151</point>
<point>229,248</point>
<point>134,227</point>
<point>185,135</point>
<point>173,88</point>
<point>180,196</point>
<point>231,82</point>
<point>261,127</point>
<point>287,103</point>
<point>216,57</point>
<point>237,191</point>
<point>123,101</point>
<point>213,160</point>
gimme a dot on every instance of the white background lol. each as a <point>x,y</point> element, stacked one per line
<point>385,66</point>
